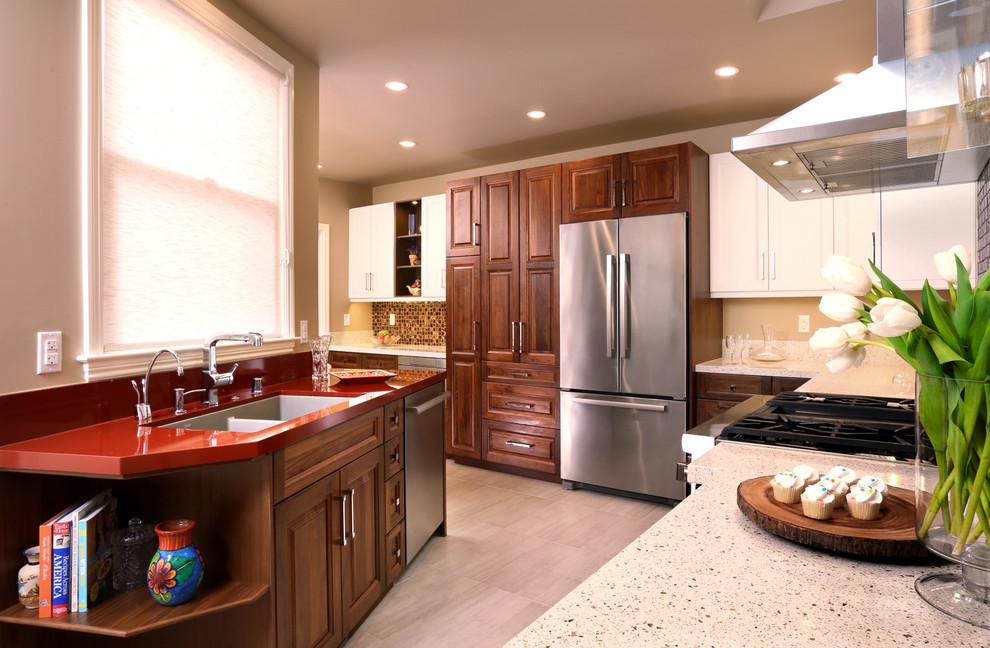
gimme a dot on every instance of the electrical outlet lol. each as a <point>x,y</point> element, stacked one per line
<point>391,319</point>
<point>303,331</point>
<point>49,352</point>
<point>347,319</point>
<point>804,323</point>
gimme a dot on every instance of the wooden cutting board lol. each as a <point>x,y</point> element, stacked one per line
<point>892,535</point>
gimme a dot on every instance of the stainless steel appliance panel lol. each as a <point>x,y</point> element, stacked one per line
<point>588,315</point>
<point>653,306</point>
<point>621,442</point>
<point>424,465</point>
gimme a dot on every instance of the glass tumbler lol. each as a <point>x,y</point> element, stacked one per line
<point>320,346</point>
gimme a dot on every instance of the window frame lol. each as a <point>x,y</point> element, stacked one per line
<point>97,362</point>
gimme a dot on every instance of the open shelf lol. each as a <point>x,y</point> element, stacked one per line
<point>126,614</point>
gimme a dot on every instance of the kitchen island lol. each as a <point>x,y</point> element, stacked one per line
<point>705,575</point>
<point>301,524</point>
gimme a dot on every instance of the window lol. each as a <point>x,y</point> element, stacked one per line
<point>189,224</point>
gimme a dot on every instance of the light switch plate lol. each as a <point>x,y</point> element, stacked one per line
<point>804,323</point>
<point>303,331</point>
<point>391,319</point>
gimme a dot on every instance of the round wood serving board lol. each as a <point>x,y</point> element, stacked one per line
<point>892,535</point>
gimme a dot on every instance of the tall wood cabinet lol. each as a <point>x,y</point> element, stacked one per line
<point>464,355</point>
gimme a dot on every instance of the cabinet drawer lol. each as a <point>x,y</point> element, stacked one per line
<point>731,386</point>
<point>523,374</point>
<point>345,360</point>
<point>394,456</point>
<point>706,409</point>
<point>395,500</point>
<point>395,548</point>
<point>778,385</point>
<point>395,419</point>
<point>386,362</point>
<point>524,446</point>
<point>302,463</point>
<point>521,404</point>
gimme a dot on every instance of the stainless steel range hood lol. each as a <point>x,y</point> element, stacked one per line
<point>853,138</point>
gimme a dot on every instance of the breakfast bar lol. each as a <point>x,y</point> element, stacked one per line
<point>704,575</point>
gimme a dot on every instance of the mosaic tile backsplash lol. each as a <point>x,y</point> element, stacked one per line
<point>422,322</point>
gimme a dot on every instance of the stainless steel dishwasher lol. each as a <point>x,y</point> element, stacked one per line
<point>425,468</point>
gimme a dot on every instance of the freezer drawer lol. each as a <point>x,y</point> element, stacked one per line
<point>623,443</point>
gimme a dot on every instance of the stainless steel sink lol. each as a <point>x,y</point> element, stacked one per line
<point>256,415</point>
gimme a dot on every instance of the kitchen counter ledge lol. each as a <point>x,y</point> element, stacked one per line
<point>704,575</point>
<point>121,448</point>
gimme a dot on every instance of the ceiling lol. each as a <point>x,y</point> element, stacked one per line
<point>605,72</point>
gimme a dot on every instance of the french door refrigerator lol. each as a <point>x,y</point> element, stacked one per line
<point>623,364</point>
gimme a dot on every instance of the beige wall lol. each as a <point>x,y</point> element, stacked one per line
<point>40,253</point>
<point>336,199</point>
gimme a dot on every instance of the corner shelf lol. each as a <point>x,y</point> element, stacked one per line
<point>125,614</point>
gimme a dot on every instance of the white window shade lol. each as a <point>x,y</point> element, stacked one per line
<point>192,212</point>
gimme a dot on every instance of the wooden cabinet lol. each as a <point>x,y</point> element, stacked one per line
<point>362,555</point>
<point>464,356</point>
<point>434,217</point>
<point>464,217</point>
<point>351,360</point>
<point>371,252</point>
<point>640,183</point>
<point>718,392</point>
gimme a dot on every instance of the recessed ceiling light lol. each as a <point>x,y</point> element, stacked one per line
<point>842,78</point>
<point>319,166</point>
<point>727,71</point>
<point>781,163</point>
<point>536,114</point>
<point>396,86</point>
<point>407,143</point>
<point>807,191</point>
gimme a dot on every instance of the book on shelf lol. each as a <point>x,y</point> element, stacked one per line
<point>95,557</point>
<point>45,564</point>
<point>61,564</point>
<point>77,515</point>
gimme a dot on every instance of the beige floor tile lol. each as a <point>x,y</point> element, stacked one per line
<point>548,572</point>
<point>510,507</point>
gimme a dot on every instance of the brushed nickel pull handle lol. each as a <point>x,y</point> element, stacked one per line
<point>397,552</point>
<point>519,374</point>
<point>512,335</point>
<point>474,335</point>
<point>773,264</point>
<point>763,265</point>
<point>615,185</point>
<point>396,501</point>
<point>343,518</point>
<point>475,238</point>
<point>521,323</point>
<point>353,533</point>
<point>395,457</point>
<point>520,405</point>
<point>623,192</point>
<point>519,445</point>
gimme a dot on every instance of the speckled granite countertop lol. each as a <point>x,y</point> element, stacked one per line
<point>704,575</point>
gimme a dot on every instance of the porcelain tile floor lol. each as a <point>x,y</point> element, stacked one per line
<point>514,547</point>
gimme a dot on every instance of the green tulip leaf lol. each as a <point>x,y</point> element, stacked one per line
<point>944,352</point>
<point>939,309</point>
<point>887,284</point>
<point>964,301</point>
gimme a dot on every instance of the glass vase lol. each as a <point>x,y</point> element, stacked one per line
<point>952,493</point>
<point>320,346</point>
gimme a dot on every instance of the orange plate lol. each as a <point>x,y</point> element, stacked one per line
<point>362,375</point>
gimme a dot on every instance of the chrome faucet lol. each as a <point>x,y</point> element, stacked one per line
<point>143,406</point>
<point>212,379</point>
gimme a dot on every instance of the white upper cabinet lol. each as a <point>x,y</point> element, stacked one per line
<point>434,220</point>
<point>371,252</point>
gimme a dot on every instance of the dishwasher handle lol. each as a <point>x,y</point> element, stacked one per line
<point>430,404</point>
<point>621,405</point>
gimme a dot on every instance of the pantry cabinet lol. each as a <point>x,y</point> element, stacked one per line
<point>464,356</point>
<point>371,252</point>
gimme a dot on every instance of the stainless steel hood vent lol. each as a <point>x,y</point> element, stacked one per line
<point>853,137</point>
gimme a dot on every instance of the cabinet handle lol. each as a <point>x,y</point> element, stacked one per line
<point>519,405</point>
<point>623,192</point>
<point>723,407</point>
<point>732,388</point>
<point>519,445</point>
<point>352,533</point>
<point>521,337</point>
<point>615,185</point>
<point>512,335</point>
<point>519,374</point>
<point>395,418</point>
<point>396,502</point>
<point>873,257</point>
<point>397,552</point>
<point>773,264</point>
<point>343,518</point>
<point>475,227</point>
<point>763,265</point>
<point>395,457</point>
<point>474,335</point>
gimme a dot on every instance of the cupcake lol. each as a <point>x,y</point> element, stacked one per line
<point>842,473</point>
<point>787,487</point>
<point>817,502</point>
<point>807,473</point>
<point>876,484</point>
<point>839,489</point>
<point>863,502</point>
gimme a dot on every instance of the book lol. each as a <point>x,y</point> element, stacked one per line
<point>79,513</point>
<point>61,564</point>
<point>45,565</point>
<point>95,556</point>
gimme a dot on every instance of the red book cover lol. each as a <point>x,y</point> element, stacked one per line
<point>45,565</point>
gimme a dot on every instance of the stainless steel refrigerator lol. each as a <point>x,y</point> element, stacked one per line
<point>623,364</point>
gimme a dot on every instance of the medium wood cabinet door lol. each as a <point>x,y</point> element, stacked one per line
<point>654,181</point>
<point>464,217</point>
<point>464,383</point>
<point>590,188</point>
<point>500,252</point>
<point>362,554</point>
<point>464,306</point>
<point>308,533</point>
<point>539,308</point>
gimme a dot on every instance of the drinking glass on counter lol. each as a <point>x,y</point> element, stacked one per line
<point>735,349</point>
<point>320,347</point>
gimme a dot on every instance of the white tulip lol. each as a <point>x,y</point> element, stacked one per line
<point>851,357</point>
<point>846,275</point>
<point>829,340</point>
<point>945,262</point>
<point>855,330</point>
<point>840,307</point>
<point>893,317</point>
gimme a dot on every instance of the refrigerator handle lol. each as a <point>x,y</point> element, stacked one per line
<point>610,342</point>
<point>621,405</point>
<point>624,304</point>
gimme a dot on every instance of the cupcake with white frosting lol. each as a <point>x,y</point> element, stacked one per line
<point>864,502</point>
<point>875,483</point>
<point>838,487</point>
<point>848,475</point>
<point>807,473</point>
<point>787,487</point>
<point>817,502</point>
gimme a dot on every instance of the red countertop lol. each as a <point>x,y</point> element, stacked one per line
<point>121,448</point>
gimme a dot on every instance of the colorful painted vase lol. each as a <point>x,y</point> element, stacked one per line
<point>176,569</point>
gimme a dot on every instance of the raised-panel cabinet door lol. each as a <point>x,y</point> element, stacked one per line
<point>590,188</point>
<point>464,306</point>
<point>362,556</point>
<point>500,252</point>
<point>539,244</point>
<point>359,253</point>
<point>539,313</point>
<point>801,240</point>
<point>464,217</point>
<point>654,181</point>
<point>501,313</point>
<point>738,227</point>
<point>308,534</point>
<point>500,217</point>
<point>464,382</point>
<point>434,217</point>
